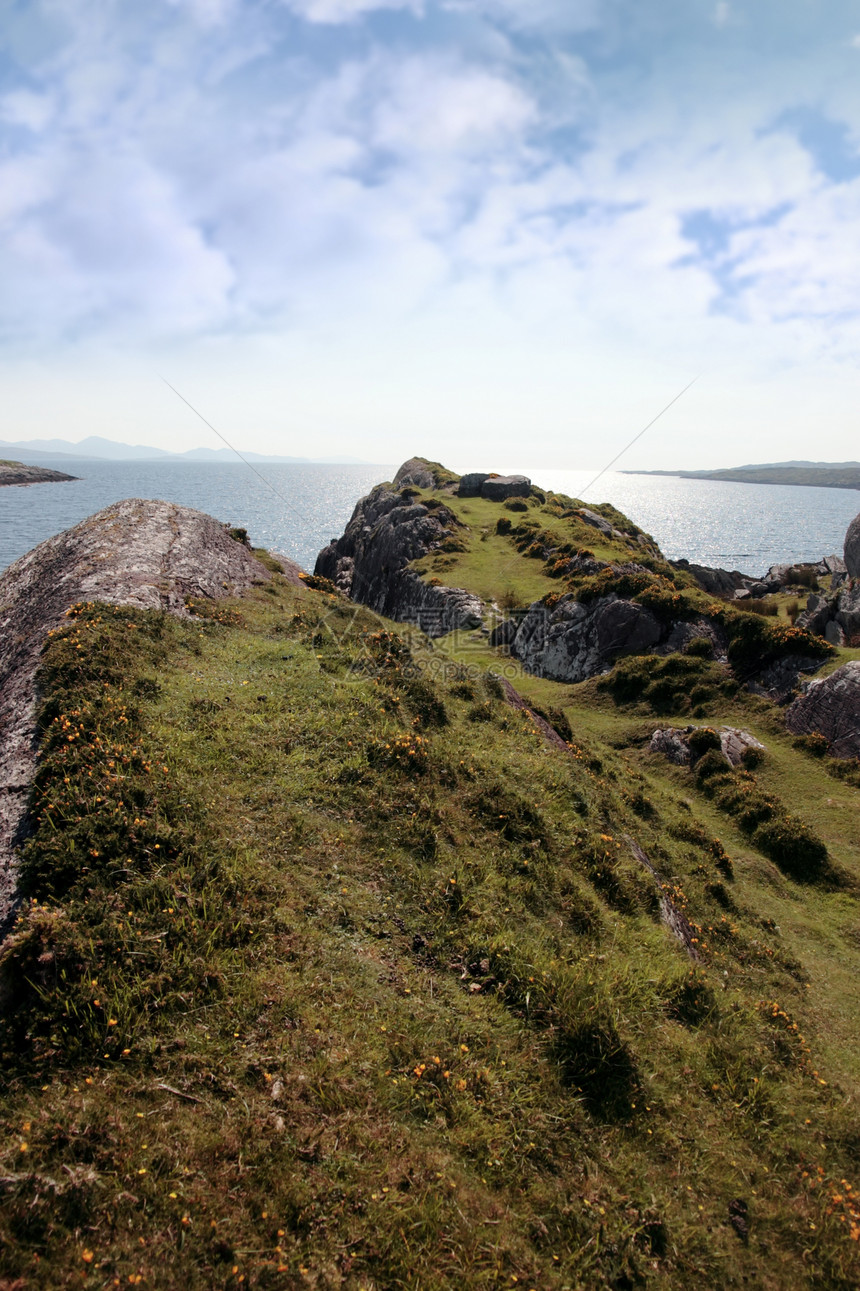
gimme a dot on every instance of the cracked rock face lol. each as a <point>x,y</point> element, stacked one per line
<point>147,554</point>
<point>852,548</point>
<point>831,707</point>
<point>370,563</point>
<point>573,641</point>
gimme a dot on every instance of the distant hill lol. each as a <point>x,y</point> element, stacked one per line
<point>829,475</point>
<point>95,447</point>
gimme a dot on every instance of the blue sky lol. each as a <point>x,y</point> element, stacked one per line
<point>496,232</point>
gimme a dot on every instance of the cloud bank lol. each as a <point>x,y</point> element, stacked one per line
<point>681,180</point>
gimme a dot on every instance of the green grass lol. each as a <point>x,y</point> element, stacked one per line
<point>491,564</point>
<point>333,973</point>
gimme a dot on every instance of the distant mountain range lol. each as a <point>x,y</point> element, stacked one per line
<point>109,450</point>
<point>829,475</point>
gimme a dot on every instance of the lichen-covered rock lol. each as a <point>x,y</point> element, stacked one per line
<point>370,563</point>
<point>596,521</point>
<point>831,707</point>
<point>148,554</point>
<point>735,743</point>
<point>675,744</point>
<point>572,641</point>
<point>852,548</point>
<point>416,472</point>
<point>672,744</point>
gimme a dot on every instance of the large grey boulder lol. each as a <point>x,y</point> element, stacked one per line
<point>497,488</point>
<point>572,641</point>
<point>148,554</point>
<point>370,563</point>
<point>831,707</point>
<point>852,548</point>
<point>672,744</point>
<point>415,472</point>
<point>471,484</point>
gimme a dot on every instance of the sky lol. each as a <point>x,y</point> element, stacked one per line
<point>499,233</point>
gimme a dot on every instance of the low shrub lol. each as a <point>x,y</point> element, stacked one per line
<point>702,740</point>
<point>791,845</point>
<point>712,765</point>
<point>815,745</point>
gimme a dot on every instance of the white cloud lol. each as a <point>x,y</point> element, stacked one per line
<point>428,106</point>
<point>548,16</point>
<point>342,11</point>
<point>24,108</point>
<point>234,183</point>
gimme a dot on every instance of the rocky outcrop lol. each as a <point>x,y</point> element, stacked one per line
<point>416,472</point>
<point>672,744</point>
<point>831,707</point>
<point>716,582</point>
<point>852,548</point>
<point>19,473</point>
<point>779,680</point>
<point>149,554</point>
<point>572,641</point>
<point>370,563</point>
<point>675,744</point>
<point>835,617</point>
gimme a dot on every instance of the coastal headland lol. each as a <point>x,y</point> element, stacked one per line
<point>478,910</point>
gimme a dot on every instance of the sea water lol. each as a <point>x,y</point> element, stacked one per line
<point>297,509</point>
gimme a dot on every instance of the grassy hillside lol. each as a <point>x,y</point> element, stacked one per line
<point>335,971</point>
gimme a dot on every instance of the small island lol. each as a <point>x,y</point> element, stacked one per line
<point>20,473</point>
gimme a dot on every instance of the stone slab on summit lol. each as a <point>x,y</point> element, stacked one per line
<point>496,488</point>
<point>148,554</point>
